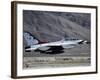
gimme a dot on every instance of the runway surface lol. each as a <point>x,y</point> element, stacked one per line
<point>77,56</point>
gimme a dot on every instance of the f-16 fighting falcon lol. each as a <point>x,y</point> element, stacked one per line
<point>50,47</point>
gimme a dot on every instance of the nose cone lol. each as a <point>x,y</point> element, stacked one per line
<point>84,42</point>
<point>81,42</point>
<point>87,42</point>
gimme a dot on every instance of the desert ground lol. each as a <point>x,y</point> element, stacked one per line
<point>78,56</point>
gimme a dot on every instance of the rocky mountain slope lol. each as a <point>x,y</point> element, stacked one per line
<point>51,26</point>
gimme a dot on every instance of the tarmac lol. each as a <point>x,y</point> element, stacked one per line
<point>80,55</point>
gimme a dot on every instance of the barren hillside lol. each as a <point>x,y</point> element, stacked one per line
<point>51,26</point>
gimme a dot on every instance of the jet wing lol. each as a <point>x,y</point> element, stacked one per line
<point>68,46</point>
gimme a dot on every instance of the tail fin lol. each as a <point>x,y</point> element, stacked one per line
<point>30,39</point>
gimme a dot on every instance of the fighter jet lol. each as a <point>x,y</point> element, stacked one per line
<point>50,47</point>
